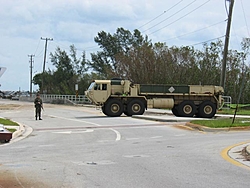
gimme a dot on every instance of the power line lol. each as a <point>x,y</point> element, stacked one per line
<point>226,7</point>
<point>208,40</point>
<point>181,17</point>
<point>171,15</point>
<point>37,46</point>
<point>245,18</point>
<point>39,54</point>
<point>161,14</point>
<point>152,20</point>
<point>195,31</point>
<point>86,48</point>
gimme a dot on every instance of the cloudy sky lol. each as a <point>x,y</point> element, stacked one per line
<point>180,22</point>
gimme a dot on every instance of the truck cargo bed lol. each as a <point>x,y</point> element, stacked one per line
<point>146,88</point>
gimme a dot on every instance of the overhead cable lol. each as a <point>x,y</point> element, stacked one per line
<point>161,14</point>
<point>245,18</point>
<point>208,40</point>
<point>37,46</point>
<point>170,16</point>
<point>195,31</point>
<point>180,17</point>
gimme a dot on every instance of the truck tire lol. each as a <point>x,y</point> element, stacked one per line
<point>175,111</point>
<point>135,107</point>
<point>125,111</point>
<point>186,109</point>
<point>113,108</point>
<point>207,109</point>
<point>103,110</point>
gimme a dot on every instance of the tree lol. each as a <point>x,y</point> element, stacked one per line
<point>69,70</point>
<point>104,62</point>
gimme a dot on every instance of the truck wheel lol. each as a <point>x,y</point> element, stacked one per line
<point>207,109</point>
<point>113,108</point>
<point>186,109</point>
<point>135,107</point>
<point>125,111</point>
<point>103,110</point>
<point>175,111</point>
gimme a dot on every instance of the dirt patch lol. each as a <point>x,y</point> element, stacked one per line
<point>9,106</point>
<point>14,179</point>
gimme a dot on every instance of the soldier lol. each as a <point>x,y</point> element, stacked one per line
<point>38,105</point>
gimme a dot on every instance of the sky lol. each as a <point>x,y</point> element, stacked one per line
<point>179,23</point>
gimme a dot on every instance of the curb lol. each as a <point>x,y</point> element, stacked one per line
<point>248,149</point>
<point>191,125</point>
<point>21,132</point>
<point>161,119</point>
<point>18,132</point>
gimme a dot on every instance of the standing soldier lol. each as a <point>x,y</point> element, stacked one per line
<point>38,105</point>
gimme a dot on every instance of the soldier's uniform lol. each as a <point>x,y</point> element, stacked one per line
<point>38,105</point>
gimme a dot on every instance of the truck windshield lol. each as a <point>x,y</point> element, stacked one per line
<point>91,85</point>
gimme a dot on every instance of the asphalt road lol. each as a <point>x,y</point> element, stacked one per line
<point>79,147</point>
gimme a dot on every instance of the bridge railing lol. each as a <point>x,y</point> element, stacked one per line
<point>53,98</point>
<point>227,101</point>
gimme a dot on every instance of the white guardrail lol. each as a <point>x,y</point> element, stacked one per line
<point>59,99</point>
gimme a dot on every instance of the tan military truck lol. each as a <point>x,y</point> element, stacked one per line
<point>118,96</point>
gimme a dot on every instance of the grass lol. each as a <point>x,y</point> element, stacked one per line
<point>231,111</point>
<point>243,109</point>
<point>8,122</point>
<point>11,130</point>
<point>223,122</point>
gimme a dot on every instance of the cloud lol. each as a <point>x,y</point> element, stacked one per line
<point>77,22</point>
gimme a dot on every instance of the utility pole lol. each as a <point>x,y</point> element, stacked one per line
<point>44,60</point>
<point>31,66</point>
<point>224,61</point>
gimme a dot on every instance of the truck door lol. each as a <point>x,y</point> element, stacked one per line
<point>100,93</point>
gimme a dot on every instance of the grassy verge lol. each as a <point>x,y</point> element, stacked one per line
<point>11,130</point>
<point>8,122</point>
<point>223,122</point>
<point>232,111</point>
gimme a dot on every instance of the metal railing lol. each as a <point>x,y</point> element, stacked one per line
<point>53,98</point>
<point>227,101</point>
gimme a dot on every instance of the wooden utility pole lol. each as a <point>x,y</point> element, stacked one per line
<point>224,61</point>
<point>44,60</point>
<point>31,66</point>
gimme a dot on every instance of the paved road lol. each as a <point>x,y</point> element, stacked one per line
<point>80,147</point>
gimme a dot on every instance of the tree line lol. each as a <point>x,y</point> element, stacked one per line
<point>130,55</point>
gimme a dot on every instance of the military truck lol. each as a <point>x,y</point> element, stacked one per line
<point>117,96</point>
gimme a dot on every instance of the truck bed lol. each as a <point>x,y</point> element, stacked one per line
<point>146,88</point>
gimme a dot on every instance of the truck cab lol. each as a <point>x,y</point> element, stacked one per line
<point>98,91</point>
